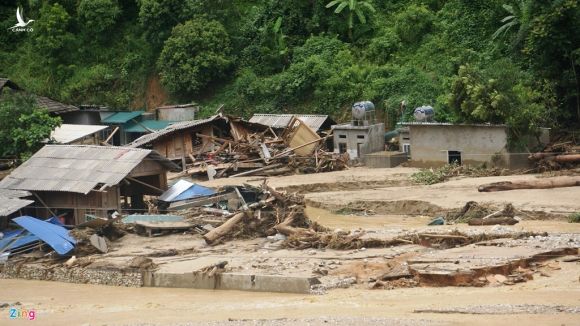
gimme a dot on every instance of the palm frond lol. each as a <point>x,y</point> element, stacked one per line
<point>333,3</point>
<point>340,7</point>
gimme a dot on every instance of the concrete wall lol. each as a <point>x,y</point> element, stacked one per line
<point>477,144</point>
<point>384,159</point>
<point>359,139</point>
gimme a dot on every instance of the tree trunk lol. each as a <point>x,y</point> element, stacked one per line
<point>493,221</point>
<point>223,229</point>
<point>547,183</point>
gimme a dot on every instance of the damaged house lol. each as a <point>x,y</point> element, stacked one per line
<point>181,140</point>
<point>76,182</point>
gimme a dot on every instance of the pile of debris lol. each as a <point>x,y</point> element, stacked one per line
<point>563,153</point>
<point>298,149</point>
<point>473,213</point>
<point>448,171</point>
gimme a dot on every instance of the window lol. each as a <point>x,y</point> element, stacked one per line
<point>342,148</point>
<point>454,157</point>
<point>341,136</point>
<point>360,136</point>
<point>407,149</point>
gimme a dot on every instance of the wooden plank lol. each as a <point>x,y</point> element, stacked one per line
<point>145,184</point>
<point>256,170</point>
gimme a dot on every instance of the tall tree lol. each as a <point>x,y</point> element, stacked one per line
<point>355,7</point>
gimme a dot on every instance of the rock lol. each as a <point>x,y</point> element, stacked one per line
<point>141,262</point>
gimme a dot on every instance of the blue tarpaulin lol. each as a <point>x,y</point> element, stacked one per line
<point>55,236</point>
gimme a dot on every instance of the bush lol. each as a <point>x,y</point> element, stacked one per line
<point>98,15</point>
<point>196,53</point>
<point>574,218</point>
<point>382,47</point>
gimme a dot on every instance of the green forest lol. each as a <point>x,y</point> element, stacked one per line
<point>501,61</point>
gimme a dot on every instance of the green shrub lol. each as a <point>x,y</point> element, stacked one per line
<point>574,218</point>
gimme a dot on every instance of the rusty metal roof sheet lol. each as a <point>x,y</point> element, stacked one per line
<point>78,168</point>
<point>148,138</point>
<point>314,121</point>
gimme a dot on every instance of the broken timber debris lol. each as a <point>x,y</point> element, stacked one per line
<point>255,150</point>
<point>546,183</point>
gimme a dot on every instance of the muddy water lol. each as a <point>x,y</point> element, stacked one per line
<point>76,304</point>
<point>332,220</point>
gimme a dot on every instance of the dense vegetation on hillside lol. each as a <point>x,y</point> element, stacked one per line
<point>503,61</point>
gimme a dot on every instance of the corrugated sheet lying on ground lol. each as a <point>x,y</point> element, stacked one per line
<point>313,121</point>
<point>78,168</point>
<point>146,139</point>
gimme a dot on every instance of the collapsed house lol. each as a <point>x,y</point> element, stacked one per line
<point>221,145</point>
<point>317,122</point>
<point>183,139</point>
<point>80,182</point>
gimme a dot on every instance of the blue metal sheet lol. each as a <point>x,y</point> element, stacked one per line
<point>183,190</point>
<point>55,236</point>
<point>193,192</point>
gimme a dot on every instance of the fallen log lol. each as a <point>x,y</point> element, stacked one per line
<point>493,221</point>
<point>565,158</point>
<point>223,229</point>
<point>442,236</point>
<point>547,183</point>
<point>285,227</point>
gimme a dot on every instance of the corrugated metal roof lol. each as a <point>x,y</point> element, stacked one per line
<point>148,138</point>
<point>122,117</point>
<point>11,205</point>
<point>314,121</point>
<point>44,102</point>
<point>9,193</point>
<point>68,133</point>
<point>415,123</point>
<point>78,168</point>
<point>53,106</point>
<point>151,124</point>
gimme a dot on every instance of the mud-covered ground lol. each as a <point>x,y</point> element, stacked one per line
<point>384,204</point>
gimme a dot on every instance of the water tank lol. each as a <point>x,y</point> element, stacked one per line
<point>360,108</point>
<point>424,113</point>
